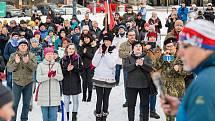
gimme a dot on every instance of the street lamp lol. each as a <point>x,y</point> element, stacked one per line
<point>74,2</point>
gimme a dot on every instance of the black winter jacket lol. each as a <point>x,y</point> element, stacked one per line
<point>138,76</point>
<point>71,83</point>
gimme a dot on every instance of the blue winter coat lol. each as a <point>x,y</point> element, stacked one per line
<point>8,50</point>
<point>199,101</point>
<point>182,13</point>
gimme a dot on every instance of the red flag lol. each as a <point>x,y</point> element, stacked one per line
<point>108,11</point>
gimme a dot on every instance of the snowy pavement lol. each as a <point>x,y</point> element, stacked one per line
<point>117,112</point>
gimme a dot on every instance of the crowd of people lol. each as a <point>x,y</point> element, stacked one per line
<point>64,58</point>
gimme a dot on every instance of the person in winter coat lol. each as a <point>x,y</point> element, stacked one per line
<point>87,21</point>
<point>22,64</point>
<point>178,27</point>
<point>74,21</point>
<point>183,12</point>
<point>13,27</point>
<point>117,41</point>
<point>71,66</point>
<point>87,49</point>
<point>43,30</point>
<point>58,19</point>
<point>23,30</point>
<point>154,20</point>
<point>138,65</point>
<point>6,104</point>
<point>61,49</point>
<point>36,49</point>
<point>75,38</point>
<point>125,50</point>
<point>50,39</point>
<point>139,22</point>
<point>209,13</point>
<point>58,41</point>
<point>2,69</point>
<point>104,62</point>
<point>170,22</point>
<point>49,74</point>
<point>4,37</point>
<point>10,48</point>
<point>95,31</point>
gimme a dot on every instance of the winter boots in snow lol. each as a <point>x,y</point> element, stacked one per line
<point>104,116</point>
<point>98,116</point>
<point>85,98</point>
<point>74,116</point>
<point>89,96</point>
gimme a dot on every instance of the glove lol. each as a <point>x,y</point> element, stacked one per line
<point>51,74</point>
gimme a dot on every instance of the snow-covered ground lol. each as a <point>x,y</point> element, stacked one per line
<point>117,112</point>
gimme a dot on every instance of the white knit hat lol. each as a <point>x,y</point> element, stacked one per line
<point>85,27</point>
<point>199,33</point>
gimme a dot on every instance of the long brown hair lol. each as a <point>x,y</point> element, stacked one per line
<point>66,52</point>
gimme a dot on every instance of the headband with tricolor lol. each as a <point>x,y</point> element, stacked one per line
<point>199,33</point>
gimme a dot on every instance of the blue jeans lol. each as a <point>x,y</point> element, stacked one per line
<point>26,92</point>
<point>9,79</point>
<point>117,74</point>
<point>152,103</point>
<point>125,81</point>
<point>49,113</point>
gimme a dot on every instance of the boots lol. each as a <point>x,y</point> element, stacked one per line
<point>67,114</point>
<point>89,96</point>
<point>74,116</point>
<point>98,116</point>
<point>84,96</point>
<point>104,116</point>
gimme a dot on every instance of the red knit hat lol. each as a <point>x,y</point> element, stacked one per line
<point>152,34</point>
<point>36,32</point>
<point>48,50</point>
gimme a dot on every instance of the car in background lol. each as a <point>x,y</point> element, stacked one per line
<point>12,11</point>
<point>44,8</point>
<point>30,10</point>
<point>68,9</point>
<point>99,7</point>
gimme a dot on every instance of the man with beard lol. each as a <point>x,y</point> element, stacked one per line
<point>24,31</point>
<point>130,15</point>
<point>196,49</point>
<point>171,68</point>
<point>178,27</point>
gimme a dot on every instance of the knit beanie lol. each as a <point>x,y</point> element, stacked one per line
<point>152,34</point>
<point>37,32</point>
<point>23,41</point>
<point>35,40</point>
<point>85,27</point>
<point>199,33</point>
<point>5,96</point>
<point>170,40</point>
<point>108,37</point>
<point>48,50</point>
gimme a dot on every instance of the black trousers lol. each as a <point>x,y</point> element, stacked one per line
<point>87,80</point>
<point>144,102</point>
<point>102,102</point>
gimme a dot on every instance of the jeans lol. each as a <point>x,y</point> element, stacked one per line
<point>144,101</point>
<point>49,113</point>
<point>152,103</point>
<point>26,92</point>
<point>102,98</point>
<point>9,79</point>
<point>117,75</point>
<point>75,102</point>
<point>125,73</point>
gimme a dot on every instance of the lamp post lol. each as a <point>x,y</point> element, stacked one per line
<point>74,2</point>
